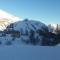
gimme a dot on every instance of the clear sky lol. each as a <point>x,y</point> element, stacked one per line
<point>47,11</point>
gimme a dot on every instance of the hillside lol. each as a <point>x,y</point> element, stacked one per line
<point>28,32</point>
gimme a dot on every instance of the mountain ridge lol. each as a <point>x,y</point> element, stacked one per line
<point>29,32</point>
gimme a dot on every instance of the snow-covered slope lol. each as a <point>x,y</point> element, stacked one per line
<point>29,25</point>
<point>25,52</point>
<point>27,29</point>
<point>6,19</point>
<point>28,32</point>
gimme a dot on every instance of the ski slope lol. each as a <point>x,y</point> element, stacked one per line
<point>24,52</point>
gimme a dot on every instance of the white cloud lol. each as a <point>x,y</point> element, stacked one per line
<point>4,14</point>
<point>6,19</point>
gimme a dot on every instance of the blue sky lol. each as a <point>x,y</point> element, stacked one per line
<point>47,11</point>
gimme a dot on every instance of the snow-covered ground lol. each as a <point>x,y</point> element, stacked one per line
<point>29,52</point>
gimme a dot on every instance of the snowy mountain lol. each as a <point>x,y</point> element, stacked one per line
<point>30,29</point>
<point>6,19</point>
<point>25,31</point>
<point>21,39</point>
<point>29,25</point>
<point>13,39</point>
<point>28,32</point>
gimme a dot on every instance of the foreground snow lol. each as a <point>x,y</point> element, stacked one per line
<point>29,52</point>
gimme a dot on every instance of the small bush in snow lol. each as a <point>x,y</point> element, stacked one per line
<point>0,42</point>
<point>8,43</point>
